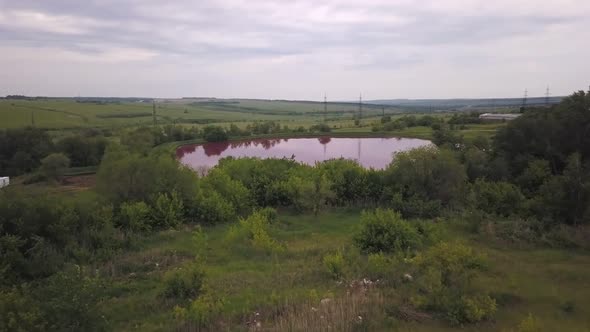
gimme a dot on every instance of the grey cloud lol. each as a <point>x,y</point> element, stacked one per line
<point>353,36</point>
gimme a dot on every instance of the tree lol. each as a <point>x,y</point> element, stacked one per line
<point>140,140</point>
<point>54,165</point>
<point>427,174</point>
<point>214,134</point>
<point>131,177</point>
<point>309,190</point>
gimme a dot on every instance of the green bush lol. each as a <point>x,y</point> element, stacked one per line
<point>499,198</point>
<point>529,324</point>
<point>168,210</point>
<point>184,284</point>
<point>427,174</point>
<point>444,276</point>
<point>385,231</point>
<point>334,264</point>
<point>203,311</point>
<point>254,231</point>
<point>213,209</point>
<point>135,217</point>
<point>379,266</point>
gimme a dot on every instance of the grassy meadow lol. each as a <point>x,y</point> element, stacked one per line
<point>548,283</point>
<point>69,114</point>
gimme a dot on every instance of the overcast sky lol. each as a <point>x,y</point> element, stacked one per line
<point>294,49</point>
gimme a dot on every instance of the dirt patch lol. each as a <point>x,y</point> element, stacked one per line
<point>79,182</point>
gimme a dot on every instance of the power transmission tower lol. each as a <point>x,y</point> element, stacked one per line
<point>325,107</point>
<point>547,96</point>
<point>154,111</point>
<point>524,98</point>
<point>360,107</point>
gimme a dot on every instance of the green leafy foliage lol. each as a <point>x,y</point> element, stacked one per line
<point>167,211</point>
<point>21,150</point>
<point>445,274</point>
<point>135,217</point>
<point>54,165</point>
<point>427,174</point>
<point>214,209</point>
<point>334,264</point>
<point>185,283</point>
<point>499,198</point>
<point>386,231</point>
<point>214,134</point>
<point>254,232</point>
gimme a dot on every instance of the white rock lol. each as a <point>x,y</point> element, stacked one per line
<point>325,301</point>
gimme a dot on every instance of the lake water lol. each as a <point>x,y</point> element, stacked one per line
<point>370,152</point>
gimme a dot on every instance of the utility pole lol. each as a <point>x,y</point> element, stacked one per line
<point>154,111</point>
<point>547,96</point>
<point>325,107</point>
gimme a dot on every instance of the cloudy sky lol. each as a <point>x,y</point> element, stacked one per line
<point>294,49</point>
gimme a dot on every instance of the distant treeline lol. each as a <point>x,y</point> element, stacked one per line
<point>447,104</point>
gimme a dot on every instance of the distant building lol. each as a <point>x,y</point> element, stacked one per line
<point>4,181</point>
<point>499,116</point>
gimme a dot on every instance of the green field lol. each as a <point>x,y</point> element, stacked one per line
<point>533,281</point>
<point>69,114</point>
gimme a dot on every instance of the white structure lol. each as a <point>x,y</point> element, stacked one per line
<point>4,181</point>
<point>499,116</point>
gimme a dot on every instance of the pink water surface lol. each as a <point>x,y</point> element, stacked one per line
<point>370,152</point>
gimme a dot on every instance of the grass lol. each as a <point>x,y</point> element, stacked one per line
<point>68,114</point>
<point>551,284</point>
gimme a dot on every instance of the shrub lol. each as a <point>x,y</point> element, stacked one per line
<point>334,264</point>
<point>168,210</point>
<point>476,308</point>
<point>203,311</point>
<point>184,284</point>
<point>254,230</point>
<point>444,277</point>
<point>385,231</point>
<point>529,324</point>
<point>379,266</point>
<point>135,217</point>
<point>499,198</point>
<point>214,209</point>
<point>270,214</point>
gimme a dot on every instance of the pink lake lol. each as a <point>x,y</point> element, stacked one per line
<point>370,152</point>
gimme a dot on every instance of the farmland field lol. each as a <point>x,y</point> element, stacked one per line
<point>68,113</point>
